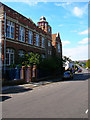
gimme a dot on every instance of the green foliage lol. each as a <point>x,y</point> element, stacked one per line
<point>51,64</point>
<point>88,63</point>
<point>12,66</point>
<point>65,58</point>
<point>76,62</point>
<point>31,59</point>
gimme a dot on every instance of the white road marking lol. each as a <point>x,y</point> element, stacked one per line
<point>86,111</point>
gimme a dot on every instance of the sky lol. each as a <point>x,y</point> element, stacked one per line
<point>70,19</point>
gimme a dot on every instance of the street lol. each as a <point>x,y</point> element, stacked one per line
<point>64,99</point>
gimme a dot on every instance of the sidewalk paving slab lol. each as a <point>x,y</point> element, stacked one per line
<point>29,85</point>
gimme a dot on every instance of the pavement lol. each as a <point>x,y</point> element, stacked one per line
<point>16,88</point>
<point>61,99</point>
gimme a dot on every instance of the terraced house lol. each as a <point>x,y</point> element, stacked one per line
<point>20,35</point>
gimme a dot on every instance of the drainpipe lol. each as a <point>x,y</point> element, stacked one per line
<point>0,43</point>
<point>4,42</point>
<point>0,51</point>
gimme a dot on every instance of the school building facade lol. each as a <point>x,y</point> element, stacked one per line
<point>20,35</point>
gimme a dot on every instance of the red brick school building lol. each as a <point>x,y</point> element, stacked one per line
<point>20,35</point>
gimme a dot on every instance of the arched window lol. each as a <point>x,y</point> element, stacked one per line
<point>9,56</point>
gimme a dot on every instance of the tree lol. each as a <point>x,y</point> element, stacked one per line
<point>30,59</point>
<point>65,58</point>
<point>51,64</point>
<point>88,63</point>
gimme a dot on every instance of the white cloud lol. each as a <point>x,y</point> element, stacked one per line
<point>63,4</point>
<point>85,32</point>
<point>29,2</point>
<point>84,41</point>
<point>78,11</point>
<point>64,43</point>
<point>77,53</point>
<point>60,25</point>
<point>75,10</point>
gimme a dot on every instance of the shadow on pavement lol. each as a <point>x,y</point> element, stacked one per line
<point>3,98</point>
<point>79,77</point>
<point>14,90</point>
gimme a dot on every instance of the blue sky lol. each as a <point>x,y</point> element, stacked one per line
<point>70,19</point>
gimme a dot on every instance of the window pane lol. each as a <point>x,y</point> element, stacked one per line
<point>30,37</point>
<point>43,42</point>
<point>8,22</point>
<point>12,32</point>
<point>11,59</point>
<point>37,40</point>
<point>8,31</point>
<point>49,44</point>
<point>21,33</point>
<point>21,53</point>
<point>7,58</point>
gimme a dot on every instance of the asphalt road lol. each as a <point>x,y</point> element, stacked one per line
<point>66,99</point>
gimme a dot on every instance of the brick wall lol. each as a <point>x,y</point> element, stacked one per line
<point>28,24</point>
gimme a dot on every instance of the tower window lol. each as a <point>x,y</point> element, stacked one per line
<point>48,29</point>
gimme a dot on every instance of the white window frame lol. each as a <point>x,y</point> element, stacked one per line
<point>21,53</point>
<point>30,37</point>
<point>43,42</point>
<point>11,26</point>
<point>10,52</point>
<point>21,34</point>
<point>37,40</point>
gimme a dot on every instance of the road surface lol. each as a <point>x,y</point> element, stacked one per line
<point>65,99</point>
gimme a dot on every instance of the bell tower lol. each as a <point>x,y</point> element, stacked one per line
<point>43,24</point>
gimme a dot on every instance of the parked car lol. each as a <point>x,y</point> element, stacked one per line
<point>68,75</point>
<point>79,70</point>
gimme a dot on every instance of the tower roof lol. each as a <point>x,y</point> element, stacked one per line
<point>42,18</point>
